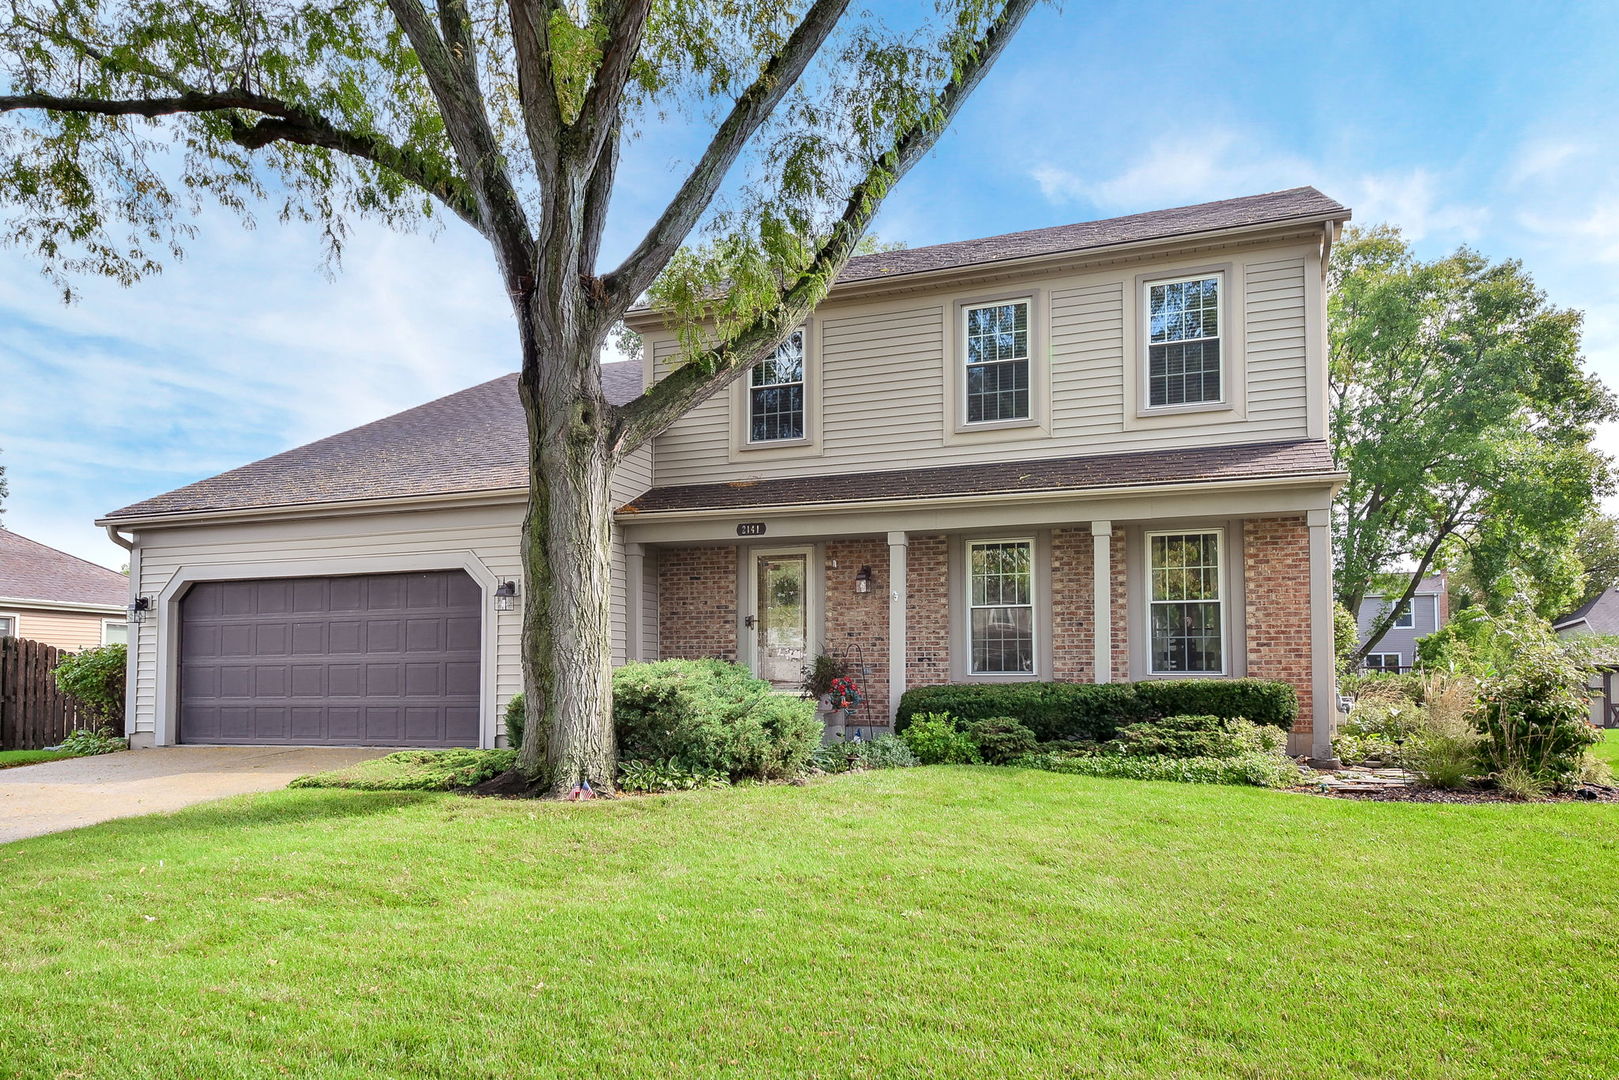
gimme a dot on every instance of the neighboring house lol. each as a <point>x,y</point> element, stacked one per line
<point>51,596</point>
<point>1427,611</point>
<point>1093,452</point>
<point>1598,615</point>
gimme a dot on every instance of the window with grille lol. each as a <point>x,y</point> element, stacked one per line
<point>1406,618</point>
<point>1184,575</point>
<point>1183,342</point>
<point>776,393</point>
<point>997,359</point>
<point>1000,603</point>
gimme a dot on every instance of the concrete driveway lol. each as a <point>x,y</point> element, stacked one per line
<point>59,795</point>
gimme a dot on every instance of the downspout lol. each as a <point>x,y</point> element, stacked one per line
<point>132,629</point>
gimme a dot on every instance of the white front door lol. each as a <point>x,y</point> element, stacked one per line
<point>783,615</point>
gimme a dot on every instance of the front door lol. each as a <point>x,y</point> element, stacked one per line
<point>782,608</point>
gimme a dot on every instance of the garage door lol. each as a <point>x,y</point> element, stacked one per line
<point>374,660</point>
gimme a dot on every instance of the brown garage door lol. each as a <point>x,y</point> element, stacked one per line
<point>375,660</point>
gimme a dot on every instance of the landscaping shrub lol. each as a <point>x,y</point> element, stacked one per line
<point>1534,719</point>
<point>646,777</point>
<point>711,715</point>
<point>1380,723</point>
<point>87,742</point>
<point>516,717</point>
<point>1260,700</point>
<point>936,740</point>
<point>1443,750</point>
<point>416,770</point>
<point>1254,768</point>
<point>94,679</point>
<point>1000,739</point>
<point>1407,685</point>
<point>883,752</point>
<point>1196,737</point>
<point>1051,710</point>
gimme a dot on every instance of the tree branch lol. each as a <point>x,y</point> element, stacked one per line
<point>281,122</point>
<point>669,399</point>
<point>752,109</point>
<point>598,119</point>
<point>536,84</point>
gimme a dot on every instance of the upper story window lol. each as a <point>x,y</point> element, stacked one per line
<point>1407,618</point>
<point>776,393</point>
<point>1000,605</point>
<point>1183,342</point>
<point>1186,599</point>
<point>997,362</point>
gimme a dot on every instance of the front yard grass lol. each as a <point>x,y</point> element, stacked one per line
<point>10,759</point>
<point>1608,748</point>
<point>939,922</point>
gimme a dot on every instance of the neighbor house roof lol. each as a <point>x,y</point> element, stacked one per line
<point>1252,461</point>
<point>1600,614</point>
<point>471,441</point>
<point>1274,208</point>
<point>31,571</point>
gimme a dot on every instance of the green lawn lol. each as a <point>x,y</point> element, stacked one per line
<point>12,758</point>
<point>1608,748</point>
<point>944,922</point>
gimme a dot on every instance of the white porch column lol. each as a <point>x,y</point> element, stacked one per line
<point>634,609</point>
<point>1102,598</point>
<point>897,562</point>
<point>1323,677</point>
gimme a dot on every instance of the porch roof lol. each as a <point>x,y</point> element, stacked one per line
<point>1303,459</point>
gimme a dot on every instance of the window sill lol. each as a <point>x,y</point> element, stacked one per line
<point>776,444</point>
<point>1176,410</point>
<point>997,425</point>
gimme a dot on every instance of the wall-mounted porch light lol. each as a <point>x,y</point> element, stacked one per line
<point>862,580</point>
<point>506,596</point>
<point>140,609</point>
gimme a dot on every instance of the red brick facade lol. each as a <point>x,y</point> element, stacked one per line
<point>1073,634</point>
<point>856,624</point>
<point>697,602</point>
<point>1276,583</point>
<point>927,611</point>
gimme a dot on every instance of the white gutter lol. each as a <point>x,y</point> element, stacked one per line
<point>946,502</point>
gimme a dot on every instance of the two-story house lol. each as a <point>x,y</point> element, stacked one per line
<point>1427,610</point>
<point>1094,452</point>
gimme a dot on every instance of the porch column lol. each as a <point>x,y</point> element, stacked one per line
<point>634,609</point>
<point>897,561</point>
<point>1102,598</point>
<point>1323,677</point>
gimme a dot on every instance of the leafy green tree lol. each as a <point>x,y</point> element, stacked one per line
<point>1463,413</point>
<point>129,115</point>
<point>1596,545</point>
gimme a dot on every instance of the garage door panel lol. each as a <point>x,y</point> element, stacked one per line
<point>391,659</point>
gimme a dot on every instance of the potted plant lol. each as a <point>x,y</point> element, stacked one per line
<point>820,676</point>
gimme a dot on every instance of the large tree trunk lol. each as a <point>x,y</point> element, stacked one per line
<point>567,630</point>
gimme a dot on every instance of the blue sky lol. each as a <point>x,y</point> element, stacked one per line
<point>1480,123</point>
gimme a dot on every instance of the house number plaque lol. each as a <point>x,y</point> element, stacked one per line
<point>751,528</point>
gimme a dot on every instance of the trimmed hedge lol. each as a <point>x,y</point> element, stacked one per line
<point>1095,711</point>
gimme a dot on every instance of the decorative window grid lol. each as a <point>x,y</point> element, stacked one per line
<point>1183,343</point>
<point>997,362</point>
<point>1000,606</point>
<point>1186,603</point>
<point>776,393</point>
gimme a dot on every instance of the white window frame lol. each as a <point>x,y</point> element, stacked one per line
<point>1033,605</point>
<point>1384,656</point>
<point>16,623</point>
<point>1408,619</point>
<point>1222,568</point>
<point>1031,413</point>
<point>107,623</point>
<point>804,395</point>
<point>1222,314</point>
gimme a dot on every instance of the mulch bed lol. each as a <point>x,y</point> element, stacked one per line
<point>1414,793</point>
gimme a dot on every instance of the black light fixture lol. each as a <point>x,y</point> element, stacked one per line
<point>506,596</point>
<point>862,580</point>
<point>141,608</point>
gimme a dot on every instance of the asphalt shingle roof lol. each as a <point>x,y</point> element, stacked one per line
<point>1090,472</point>
<point>31,571</point>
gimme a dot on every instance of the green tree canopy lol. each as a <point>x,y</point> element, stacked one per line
<point>1596,545</point>
<point>1463,413</point>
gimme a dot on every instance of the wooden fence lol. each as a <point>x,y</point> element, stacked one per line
<point>33,713</point>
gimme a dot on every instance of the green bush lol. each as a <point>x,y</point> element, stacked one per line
<point>1534,719</point>
<point>94,679</point>
<point>1254,768</point>
<point>711,715</point>
<point>883,752</point>
<point>1195,737</point>
<point>87,742</point>
<point>1000,739</point>
<point>416,770</point>
<point>648,777</point>
<point>1052,710</point>
<point>1408,685</point>
<point>936,740</point>
<point>1261,700</point>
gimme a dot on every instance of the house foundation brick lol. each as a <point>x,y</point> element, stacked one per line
<point>855,625</point>
<point>1073,607</point>
<point>697,603</point>
<point>1276,580</point>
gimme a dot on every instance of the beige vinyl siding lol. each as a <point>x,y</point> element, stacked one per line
<point>63,629</point>
<point>883,366</point>
<point>633,477</point>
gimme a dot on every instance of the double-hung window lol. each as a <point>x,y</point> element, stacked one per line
<point>1406,618</point>
<point>1183,342</point>
<point>1186,602</point>
<point>776,394</point>
<point>1000,605</point>
<point>997,362</point>
<point>1383,661</point>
